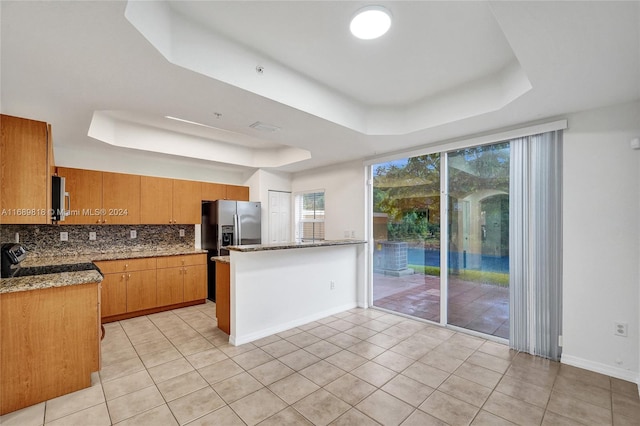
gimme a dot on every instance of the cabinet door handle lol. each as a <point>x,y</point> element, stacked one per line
<point>98,221</point>
<point>129,276</point>
<point>123,276</point>
<point>104,221</point>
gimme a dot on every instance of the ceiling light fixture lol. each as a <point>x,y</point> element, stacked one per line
<point>264,127</point>
<point>370,22</point>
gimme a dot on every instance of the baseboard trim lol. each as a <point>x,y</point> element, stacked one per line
<point>619,373</point>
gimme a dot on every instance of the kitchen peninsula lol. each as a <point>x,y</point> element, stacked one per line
<point>275,287</point>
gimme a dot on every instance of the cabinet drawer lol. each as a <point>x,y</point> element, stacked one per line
<point>183,260</point>
<point>124,265</point>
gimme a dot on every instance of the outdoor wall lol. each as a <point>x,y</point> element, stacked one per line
<point>601,214</point>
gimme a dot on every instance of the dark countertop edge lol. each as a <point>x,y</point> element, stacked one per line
<point>61,279</point>
<point>41,282</point>
<point>294,245</point>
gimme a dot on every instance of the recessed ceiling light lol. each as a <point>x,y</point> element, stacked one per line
<point>370,22</point>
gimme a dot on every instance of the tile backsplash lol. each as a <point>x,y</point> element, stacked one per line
<point>44,240</point>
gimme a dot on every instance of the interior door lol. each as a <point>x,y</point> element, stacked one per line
<point>279,217</point>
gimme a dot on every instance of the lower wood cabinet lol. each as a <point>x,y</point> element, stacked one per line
<point>133,287</point>
<point>51,343</point>
<point>223,296</point>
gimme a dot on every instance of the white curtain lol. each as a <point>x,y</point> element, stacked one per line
<point>535,251</point>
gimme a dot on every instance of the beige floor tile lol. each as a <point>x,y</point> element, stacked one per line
<point>323,349</point>
<point>375,325</point>
<point>290,332</point>
<point>490,362</point>
<point>322,373</point>
<point>361,332</point>
<point>624,387</point>
<point>293,388</point>
<point>583,391</point>
<point>181,385</point>
<point>426,374</point>
<point>354,417</point>
<point>346,360</point>
<point>146,337</point>
<point>626,405</point>
<point>497,349</point>
<point>258,406</point>
<point>453,350</point>
<point>202,359</point>
<point>97,415</point>
<point>323,331</point>
<point>299,359</point>
<point>29,416</point>
<point>270,372</point>
<point>231,351</point>
<point>251,359</point>
<point>350,388</point>
<point>121,369</point>
<point>536,363</point>
<point>470,342</point>
<point>223,416</point>
<point>465,390</point>
<point>366,349</point>
<point>279,348</point>
<point>441,361</point>
<point>156,358</point>
<point>157,346</point>
<point>420,418</point>
<point>288,416</point>
<point>309,326</point>
<point>619,420</point>
<point>343,340</point>
<point>266,340</point>
<point>169,370</point>
<point>437,332</point>
<point>129,405</point>
<point>195,405</point>
<point>384,340</point>
<point>523,391</point>
<point>160,415</point>
<point>374,373</point>
<point>449,409</point>
<point>220,370</point>
<point>514,410</point>
<point>236,387</point>
<point>303,339</point>
<point>586,376</point>
<point>542,378</point>
<point>411,349</point>
<point>76,401</point>
<point>479,375</point>
<point>321,407</point>
<point>484,418</point>
<point>341,325</point>
<point>553,419</point>
<point>579,410</point>
<point>127,384</point>
<point>193,346</point>
<point>112,356</point>
<point>408,390</point>
<point>384,408</point>
<point>393,361</point>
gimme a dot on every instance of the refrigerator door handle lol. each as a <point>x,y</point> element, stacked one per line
<point>236,228</point>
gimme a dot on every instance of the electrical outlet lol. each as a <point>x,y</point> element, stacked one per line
<point>182,232</point>
<point>332,285</point>
<point>133,234</point>
<point>92,236</point>
<point>621,329</point>
<point>64,236</point>
<point>353,234</point>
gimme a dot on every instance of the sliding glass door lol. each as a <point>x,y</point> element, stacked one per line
<point>478,243</point>
<point>406,231</point>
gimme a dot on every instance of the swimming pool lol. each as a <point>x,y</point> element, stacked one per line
<point>459,260</point>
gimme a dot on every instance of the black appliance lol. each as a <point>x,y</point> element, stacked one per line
<point>227,223</point>
<point>58,195</point>
<point>12,255</point>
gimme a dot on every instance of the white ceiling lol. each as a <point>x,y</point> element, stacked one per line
<point>445,70</point>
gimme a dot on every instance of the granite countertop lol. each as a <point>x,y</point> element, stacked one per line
<point>294,245</point>
<point>221,259</point>
<point>60,279</point>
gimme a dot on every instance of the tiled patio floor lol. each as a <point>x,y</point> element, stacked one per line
<point>474,306</point>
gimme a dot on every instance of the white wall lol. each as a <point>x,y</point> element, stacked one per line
<point>343,198</point>
<point>601,240</point>
<point>260,183</point>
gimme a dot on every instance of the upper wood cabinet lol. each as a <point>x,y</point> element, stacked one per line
<point>25,171</point>
<point>101,197</point>
<point>166,201</point>
<point>218,191</point>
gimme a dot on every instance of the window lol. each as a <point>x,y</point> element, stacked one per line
<point>309,217</point>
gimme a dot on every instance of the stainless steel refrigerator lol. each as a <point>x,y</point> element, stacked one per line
<point>228,223</point>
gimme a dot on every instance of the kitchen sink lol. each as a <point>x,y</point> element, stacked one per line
<point>54,269</point>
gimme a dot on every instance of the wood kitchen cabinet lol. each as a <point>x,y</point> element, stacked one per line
<point>101,197</point>
<point>26,157</point>
<point>50,343</point>
<point>166,201</point>
<point>218,191</point>
<point>134,287</point>
<point>236,192</point>
<point>223,296</point>
<point>182,278</point>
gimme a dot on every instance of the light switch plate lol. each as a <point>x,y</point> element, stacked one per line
<point>133,234</point>
<point>64,236</point>
<point>92,236</point>
<point>182,232</point>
